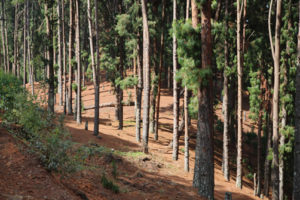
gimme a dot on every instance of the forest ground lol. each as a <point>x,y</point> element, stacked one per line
<point>140,176</point>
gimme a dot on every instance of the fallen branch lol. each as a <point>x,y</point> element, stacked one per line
<point>111,104</point>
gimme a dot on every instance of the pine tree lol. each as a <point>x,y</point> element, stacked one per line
<point>204,165</point>
<point>146,75</point>
<point>240,97</point>
<point>78,60</point>
<point>175,90</point>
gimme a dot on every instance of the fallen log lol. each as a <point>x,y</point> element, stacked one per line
<point>111,104</point>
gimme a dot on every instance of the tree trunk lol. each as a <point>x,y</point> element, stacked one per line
<point>78,59</point>
<point>240,97</point>
<point>29,52</point>
<point>119,90</point>
<point>161,53</point>
<point>64,55</point>
<point>97,76</point>
<point>60,53</point>
<point>139,92</point>
<point>70,111</point>
<point>51,94</point>
<point>204,165</point>
<point>258,187</point>
<point>175,91</point>
<point>146,67</point>
<point>225,164</point>
<point>6,40</point>
<point>16,39</point>
<point>3,38</point>
<point>186,114</point>
<point>91,40</point>
<point>296,184</point>
<point>275,162</point>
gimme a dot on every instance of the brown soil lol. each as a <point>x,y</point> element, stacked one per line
<point>153,176</point>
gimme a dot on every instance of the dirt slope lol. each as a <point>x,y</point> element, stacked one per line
<point>22,177</point>
<point>153,176</point>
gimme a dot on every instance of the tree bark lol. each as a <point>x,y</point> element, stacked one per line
<point>161,53</point>
<point>175,91</point>
<point>64,55</point>
<point>3,38</point>
<point>186,114</point>
<point>275,162</point>
<point>60,53</point>
<point>97,76</point>
<point>51,94</point>
<point>78,60</point>
<point>204,164</point>
<point>70,111</point>
<point>258,187</point>
<point>146,67</point>
<point>225,164</point>
<point>16,27</point>
<point>240,97</point>
<point>119,89</point>
<point>139,92</point>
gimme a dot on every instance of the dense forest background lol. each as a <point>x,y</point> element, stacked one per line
<point>242,55</point>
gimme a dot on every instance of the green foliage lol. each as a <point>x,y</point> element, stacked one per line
<point>128,82</point>
<point>189,48</point>
<point>48,139</point>
<point>255,96</point>
<point>108,184</point>
<point>114,171</point>
<point>193,107</point>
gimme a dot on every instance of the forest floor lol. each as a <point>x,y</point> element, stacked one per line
<point>140,176</point>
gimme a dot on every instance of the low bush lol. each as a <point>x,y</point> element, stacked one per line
<point>108,184</point>
<point>49,139</point>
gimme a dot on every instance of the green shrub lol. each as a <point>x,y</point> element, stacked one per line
<point>107,184</point>
<point>48,139</point>
<point>114,166</point>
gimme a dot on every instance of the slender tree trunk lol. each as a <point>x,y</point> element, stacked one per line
<point>119,89</point>
<point>78,59</point>
<point>91,40</point>
<point>70,111</point>
<point>240,97</point>
<point>186,114</point>
<point>204,165</point>
<point>51,94</point>
<point>6,40</point>
<point>258,187</point>
<point>225,164</point>
<point>3,37</point>
<point>175,91</point>
<point>139,92</point>
<point>29,52</point>
<point>60,53</point>
<point>161,53</point>
<point>97,76</point>
<point>24,45</point>
<point>146,67</point>
<point>275,162</point>
<point>16,39</point>
<point>64,55</point>
<point>296,184</point>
